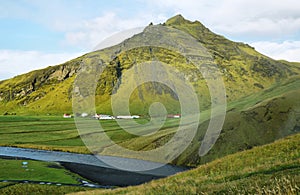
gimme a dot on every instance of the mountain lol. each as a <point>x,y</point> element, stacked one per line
<point>261,92</point>
<point>244,71</point>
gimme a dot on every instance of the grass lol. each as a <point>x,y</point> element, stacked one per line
<point>291,84</point>
<point>35,171</point>
<point>55,133</point>
<point>20,189</point>
<point>269,169</point>
<point>13,171</point>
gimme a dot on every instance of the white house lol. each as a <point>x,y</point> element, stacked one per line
<point>128,117</point>
<point>106,117</point>
<point>103,117</point>
<point>84,114</point>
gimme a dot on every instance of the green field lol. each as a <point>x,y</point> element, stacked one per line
<point>36,171</point>
<point>54,133</point>
<point>57,133</point>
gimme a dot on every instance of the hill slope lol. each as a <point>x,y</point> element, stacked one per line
<point>269,169</point>
<point>251,121</point>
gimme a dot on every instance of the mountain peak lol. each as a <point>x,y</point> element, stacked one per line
<point>188,26</point>
<point>176,19</point>
<point>180,20</point>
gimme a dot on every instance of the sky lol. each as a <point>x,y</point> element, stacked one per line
<point>35,34</point>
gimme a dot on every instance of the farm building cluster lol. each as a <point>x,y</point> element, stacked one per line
<point>109,117</point>
<point>104,116</point>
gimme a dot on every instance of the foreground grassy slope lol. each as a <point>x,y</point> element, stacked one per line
<point>269,169</point>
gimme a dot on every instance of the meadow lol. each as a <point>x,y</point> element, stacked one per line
<point>58,133</point>
<point>38,177</point>
<point>54,133</point>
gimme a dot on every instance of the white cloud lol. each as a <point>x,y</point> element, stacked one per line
<point>14,62</point>
<point>269,18</point>
<point>89,33</point>
<point>287,50</point>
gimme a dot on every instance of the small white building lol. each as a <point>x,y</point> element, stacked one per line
<point>177,116</point>
<point>128,117</point>
<point>106,117</point>
<point>84,114</point>
<point>103,117</point>
<point>174,116</point>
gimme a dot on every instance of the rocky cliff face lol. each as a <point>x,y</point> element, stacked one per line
<point>20,88</point>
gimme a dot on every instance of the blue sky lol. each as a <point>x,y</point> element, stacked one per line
<point>35,34</point>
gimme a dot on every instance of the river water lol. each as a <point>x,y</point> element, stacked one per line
<point>83,163</point>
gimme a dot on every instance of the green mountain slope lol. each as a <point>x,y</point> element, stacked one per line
<point>244,72</point>
<point>269,169</point>
<point>251,121</point>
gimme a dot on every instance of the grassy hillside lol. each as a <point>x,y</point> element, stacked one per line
<point>269,169</point>
<point>252,121</point>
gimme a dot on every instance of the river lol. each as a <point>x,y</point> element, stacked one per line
<point>93,169</point>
